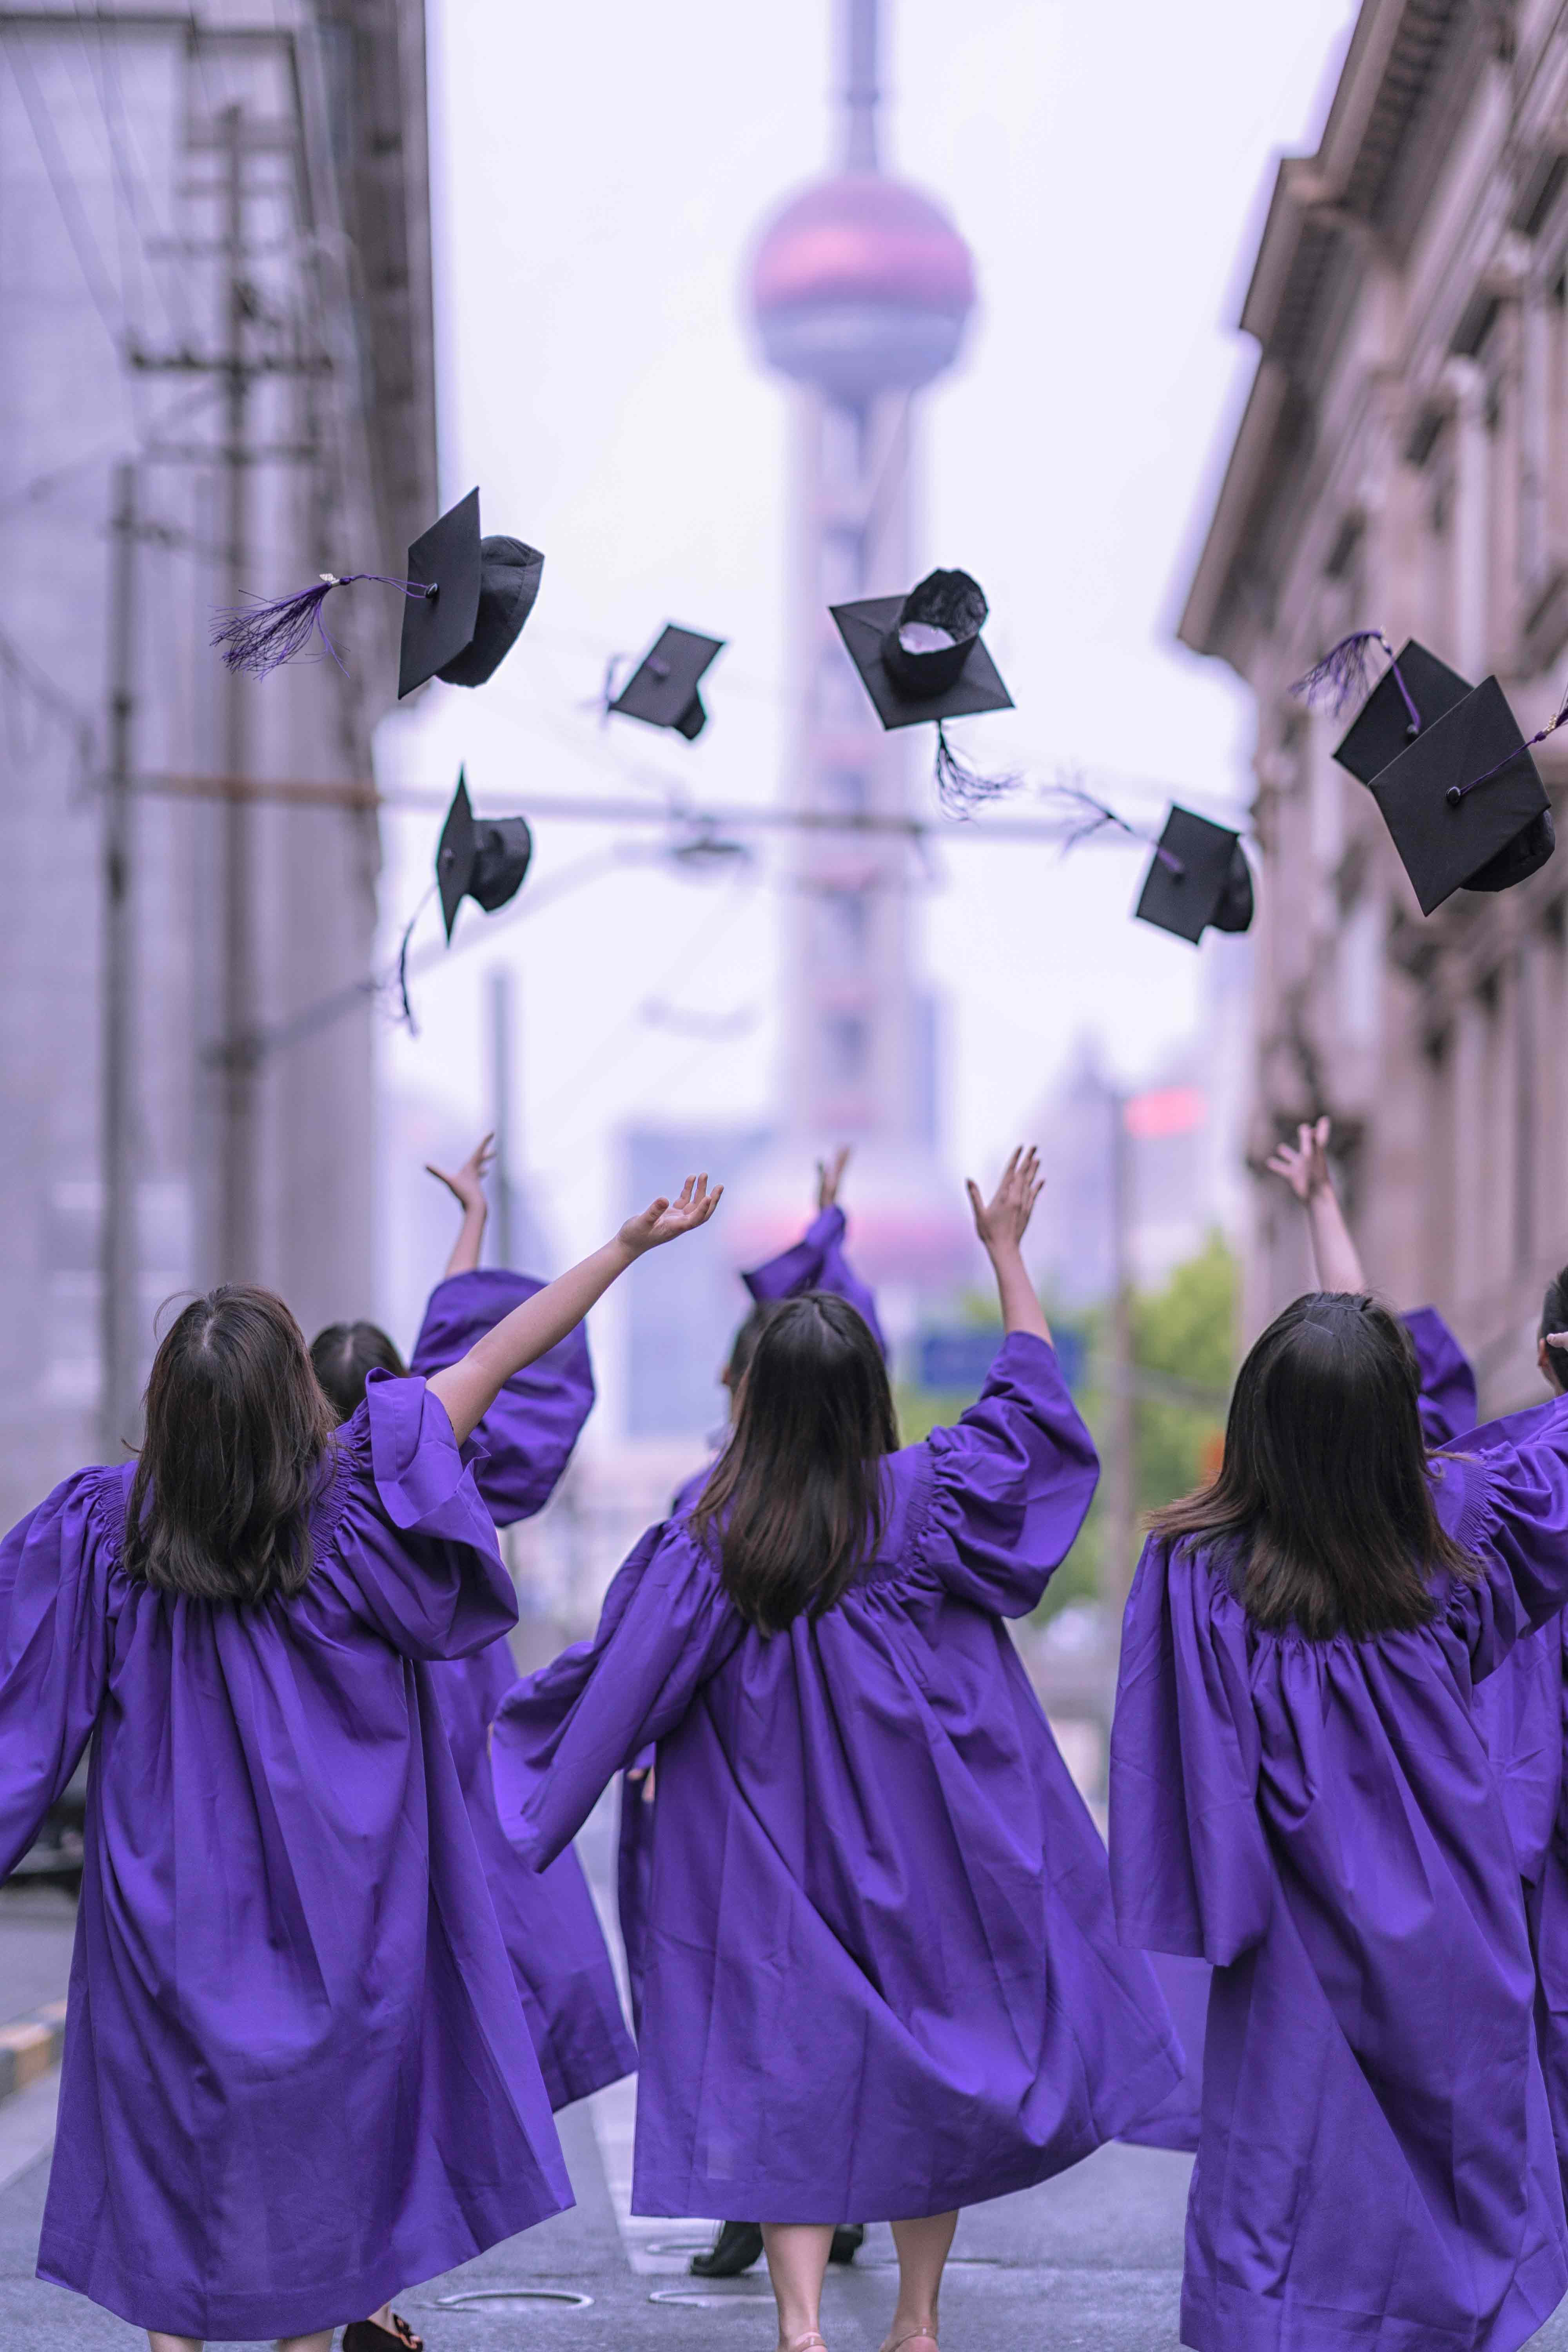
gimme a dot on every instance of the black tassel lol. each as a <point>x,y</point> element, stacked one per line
<point>961,788</point>
<point>408,1020</point>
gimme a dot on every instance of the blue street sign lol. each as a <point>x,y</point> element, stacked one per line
<point>955,1361</point>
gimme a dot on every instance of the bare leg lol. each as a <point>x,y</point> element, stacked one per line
<point>797,2255</point>
<point>320,2341</point>
<point>922,2250</point>
<point>161,2343</point>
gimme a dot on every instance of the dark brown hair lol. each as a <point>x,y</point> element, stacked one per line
<point>343,1357</point>
<point>238,1436</point>
<point>1554,1317</point>
<point>794,1502</point>
<point>1322,1504</point>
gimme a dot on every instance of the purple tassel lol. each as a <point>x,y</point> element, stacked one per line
<point>259,639</point>
<point>1097,815</point>
<point>1341,676</point>
<point>1457,793</point>
<point>961,788</point>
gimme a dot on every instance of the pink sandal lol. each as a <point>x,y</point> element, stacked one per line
<point>915,2335</point>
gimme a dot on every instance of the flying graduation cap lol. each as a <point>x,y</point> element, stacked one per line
<point>466,600</point>
<point>1198,880</point>
<point>921,657</point>
<point>1448,765</point>
<point>482,859</point>
<point>662,689</point>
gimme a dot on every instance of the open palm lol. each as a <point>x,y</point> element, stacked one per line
<point>666,1220</point>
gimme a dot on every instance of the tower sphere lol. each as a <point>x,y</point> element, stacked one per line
<point>861,285</point>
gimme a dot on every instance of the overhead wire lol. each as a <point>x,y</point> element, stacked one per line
<point>108,299</point>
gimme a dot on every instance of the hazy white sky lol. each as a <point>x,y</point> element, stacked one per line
<point>601,174</point>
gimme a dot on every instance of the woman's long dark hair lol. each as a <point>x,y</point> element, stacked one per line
<point>1322,1500</point>
<point>794,1502</point>
<point>237,1434</point>
<point>343,1357</point>
<point>1554,1317</point>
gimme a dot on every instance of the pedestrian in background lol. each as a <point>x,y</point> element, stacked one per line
<point>882,1972</point>
<point>296,2074</point>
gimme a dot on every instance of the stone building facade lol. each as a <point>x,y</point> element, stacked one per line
<point>1402,461</point>
<point>216,288</point>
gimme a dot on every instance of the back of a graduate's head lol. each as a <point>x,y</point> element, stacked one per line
<point>1554,1317</point>
<point>1322,1497</point>
<point>344,1355</point>
<point>237,1428</point>
<point>794,1502</point>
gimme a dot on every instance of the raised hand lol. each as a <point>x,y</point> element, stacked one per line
<point>466,1183</point>
<point>666,1220</point>
<point>1002,1221</point>
<point>829,1176</point>
<point>1304,1164</point>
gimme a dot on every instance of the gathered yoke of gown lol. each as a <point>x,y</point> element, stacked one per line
<point>297,2075</point>
<point>1321,1821</point>
<point>819,1261</point>
<point>565,1976</point>
<point>883,1978</point>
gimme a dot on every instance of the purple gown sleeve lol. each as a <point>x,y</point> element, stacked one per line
<point>529,1432</point>
<point>413,1549</point>
<point>816,1262</point>
<point>1190,1869</point>
<point>562,1735</point>
<point>1503,1495</point>
<point>1447,1383</point>
<point>1010,1483</point>
<point>53,1653</point>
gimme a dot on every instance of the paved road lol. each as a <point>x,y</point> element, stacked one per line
<point>1090,2262</point>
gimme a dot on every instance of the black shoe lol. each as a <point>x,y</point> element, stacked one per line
<point>364,2335</point>
<point>847,2240</point>
<point>738,2245</point>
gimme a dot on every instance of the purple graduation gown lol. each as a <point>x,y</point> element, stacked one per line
<point>1320,1819</point>
<point>548,1923</point>
<point>883,1979</point>
<point>1447,1405</point>
<point>296,2076</point>
<point>816,1262</point>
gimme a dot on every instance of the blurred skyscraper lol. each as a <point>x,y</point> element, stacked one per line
<point>216,379</point>
<point>861,289</point>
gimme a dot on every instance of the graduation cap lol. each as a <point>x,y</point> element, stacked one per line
<point>1463,802</point>
<point>1198,879</point>
<point>921,657</point>
<point>466,600</point>
<point>482,859</point>
<point>662,689</point>
<point>1413,693</point>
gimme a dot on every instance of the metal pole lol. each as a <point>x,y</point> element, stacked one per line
<point>1121,1455</point>
<point>237,1189</point>
<point>119,1302</point>
<point>501,1112</point>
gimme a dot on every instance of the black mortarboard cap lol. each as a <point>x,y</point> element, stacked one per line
<point>484,593</point>
<point>1463,802</point>
<point>662,689</point>
<point>922,656</point>
<point>482,859</point>
<point>1198,879</point>
<point>1384,727</point>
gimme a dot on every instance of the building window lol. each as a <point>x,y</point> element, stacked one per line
<point>843,927</point>
<point>846,1038</point>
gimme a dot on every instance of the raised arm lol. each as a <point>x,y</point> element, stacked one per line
<point>1304,1165</point>
<point>817,1261</point>
<point>470,1386</point>
<point>1001,1222</point>
<point>466,1186</point>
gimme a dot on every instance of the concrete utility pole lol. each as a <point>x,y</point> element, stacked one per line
<point>1122,1453</point>
<point>119,1302</point>
<point>237,1236</point>
<point>501,1091</point>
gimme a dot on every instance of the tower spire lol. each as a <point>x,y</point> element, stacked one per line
<point>861,93</point>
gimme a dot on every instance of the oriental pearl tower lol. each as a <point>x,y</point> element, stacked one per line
<point>860,289</point>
